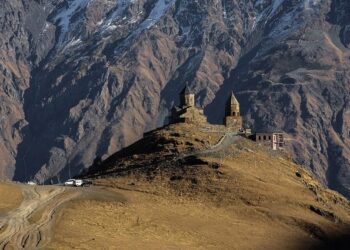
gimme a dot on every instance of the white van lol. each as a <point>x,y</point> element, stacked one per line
<point>77,182</point>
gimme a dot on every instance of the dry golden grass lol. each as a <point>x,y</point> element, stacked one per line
<point>256,199</point>
<point>243,196</point>
<point>10,196</point>
<point>150,222</point>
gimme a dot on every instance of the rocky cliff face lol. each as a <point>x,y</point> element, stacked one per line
<point>84,78</point>
<point>25,40</point>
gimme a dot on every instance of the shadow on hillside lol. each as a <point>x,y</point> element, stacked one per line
<point>334,242</point>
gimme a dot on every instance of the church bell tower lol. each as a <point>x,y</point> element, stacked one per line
<point>233,119</point>
<point>186,98</point>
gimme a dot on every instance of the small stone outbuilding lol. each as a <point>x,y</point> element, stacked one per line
<point>273,139</point>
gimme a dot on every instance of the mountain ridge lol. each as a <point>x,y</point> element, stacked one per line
<point>92,93</point>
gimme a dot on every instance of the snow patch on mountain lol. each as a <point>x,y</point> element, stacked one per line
<point>309,4</point>
<point>116,14</point>
<point>64,16</point>
<point>267,12</point>
<point>158,11</point>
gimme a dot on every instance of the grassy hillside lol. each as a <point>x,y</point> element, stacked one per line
<point>180,192</point>
<point>10,196</point>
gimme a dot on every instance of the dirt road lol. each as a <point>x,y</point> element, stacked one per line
<point>225,141</point>
<point>28,226</point>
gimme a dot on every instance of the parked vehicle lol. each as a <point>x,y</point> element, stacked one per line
<point>87,183</point>
<point>70,182</point>
<point>77,182</point>
<point>32,183</point>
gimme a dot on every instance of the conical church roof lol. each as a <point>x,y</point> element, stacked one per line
<point>186,90</point>
<point>233,99</point>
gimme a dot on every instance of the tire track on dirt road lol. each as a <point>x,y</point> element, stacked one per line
<point>16,229</point>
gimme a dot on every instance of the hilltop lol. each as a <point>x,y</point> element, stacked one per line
<point>181,186</point>
<point>192,187</point>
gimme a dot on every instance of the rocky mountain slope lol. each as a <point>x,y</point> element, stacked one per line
<point>84,78</point>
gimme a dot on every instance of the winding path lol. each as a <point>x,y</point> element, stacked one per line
<point>228,139</point>
<point>16,229</point>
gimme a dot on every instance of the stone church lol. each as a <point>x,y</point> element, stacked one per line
<point>187,112</point>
